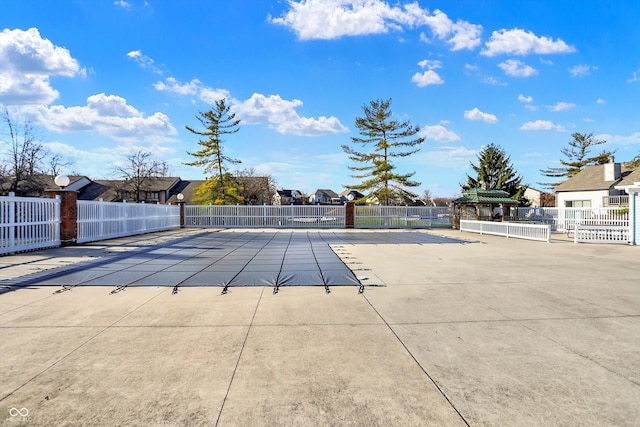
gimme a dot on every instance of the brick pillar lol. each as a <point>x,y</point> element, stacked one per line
<point>349,215</point>
<point>68,215</point>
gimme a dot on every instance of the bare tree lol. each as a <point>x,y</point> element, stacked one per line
<point>56,164</point>
<point>139,172</point>
<point>255,188</point>
<point>427,198</point>
<point>22,161</point>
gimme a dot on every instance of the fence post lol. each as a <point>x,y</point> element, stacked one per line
<point>349,215</point>
<point>68,215</point>
<point>12,220</point>
<point>181,205</point>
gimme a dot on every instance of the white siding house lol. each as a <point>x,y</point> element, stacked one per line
<point>593,187</point>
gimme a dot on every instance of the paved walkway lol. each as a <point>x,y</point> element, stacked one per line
<point>493,331</point>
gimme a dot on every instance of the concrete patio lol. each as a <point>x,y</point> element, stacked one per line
<point>486,332</point>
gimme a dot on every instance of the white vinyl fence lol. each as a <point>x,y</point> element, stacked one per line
<point>107,220</point>
<point>28,223</point>
<point>601,234</point>
<point>402,216</point>
<point>296,216</point>
<point>540,232</point>
<point>566,219</point>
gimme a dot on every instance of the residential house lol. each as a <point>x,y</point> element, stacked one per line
<point>163,190</point>
<point>325,197</point>
<point>538,198</point>
<point>596,186</point>
<point>351,195</point>
<point>287,197</point>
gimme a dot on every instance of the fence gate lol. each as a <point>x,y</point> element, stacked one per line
<point>28,223</point>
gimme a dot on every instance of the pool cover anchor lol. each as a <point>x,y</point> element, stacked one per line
<point>118,289</point>
<point>275,289</point>
<point>64,288</point>
<point>361,289</point>
<point>225,290</point>
<point>327,289</point>
<point>175,290</point>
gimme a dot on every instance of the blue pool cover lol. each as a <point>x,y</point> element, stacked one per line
<point>230,259</point>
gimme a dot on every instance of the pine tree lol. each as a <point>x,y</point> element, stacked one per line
<point>217,123</point>
<point>577,158</point>
<point>495,171</point>
<point>389,139</point>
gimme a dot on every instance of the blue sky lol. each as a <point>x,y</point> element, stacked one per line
<point>103,79</point>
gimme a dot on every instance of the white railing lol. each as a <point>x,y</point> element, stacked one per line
<point>402,216</point>
<point>615,200</point>
<point>107,220</point>
<point>28,223</point>
<point>566,219</point>
<point>601,234</point>
<point>297,216</point>
<point>540,232</point>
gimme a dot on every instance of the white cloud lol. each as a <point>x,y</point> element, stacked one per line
<point>540,125</point>
<point>476,114</point>
<point>561,106</point>
<point>172,85</point>
<point>427,78</point>
<point>601,101</point>
<point>493,81</point>
<point>331,19</point>
<point>194,87</point>
<point>122,3</point>
<point>515,68</point>
<point>430,64</point>
<point>581,70</point>
<point>278,113</point>
<point>282,116</point>
<point>525,99</point>
<point>457,158</point>
<point>144,61</point>
<point>521,42</point>
<point>108,115</point>
<point>439,133</point>
<point>634,78</point>
<point>633,139</point>
<point>27,61</point>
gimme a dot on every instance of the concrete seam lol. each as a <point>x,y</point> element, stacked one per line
<point>235,368</point>
<point>422,368</point>
<point>87,341</point>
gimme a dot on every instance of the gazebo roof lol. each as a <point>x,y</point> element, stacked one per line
<point>482,196</point>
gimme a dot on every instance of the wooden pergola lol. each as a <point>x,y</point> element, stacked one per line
<point>479,204</point>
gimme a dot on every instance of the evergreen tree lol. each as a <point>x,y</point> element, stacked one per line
<point>388,139</point>
<point>217,123</point>
<point>577,158</point>
<point>495,171</point>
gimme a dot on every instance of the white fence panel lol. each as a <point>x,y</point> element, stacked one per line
<point>601,234</point>
<point>296,216</point>
<point>402,216</point>
<point>540,232</point>
<point>28,223</point>
<point>107,220</point>
<point>566,219</point>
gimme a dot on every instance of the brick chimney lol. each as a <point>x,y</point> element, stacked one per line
<point>611,170</point>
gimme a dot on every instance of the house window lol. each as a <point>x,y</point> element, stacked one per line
<point>153,196</point>
<point>577,203</point>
